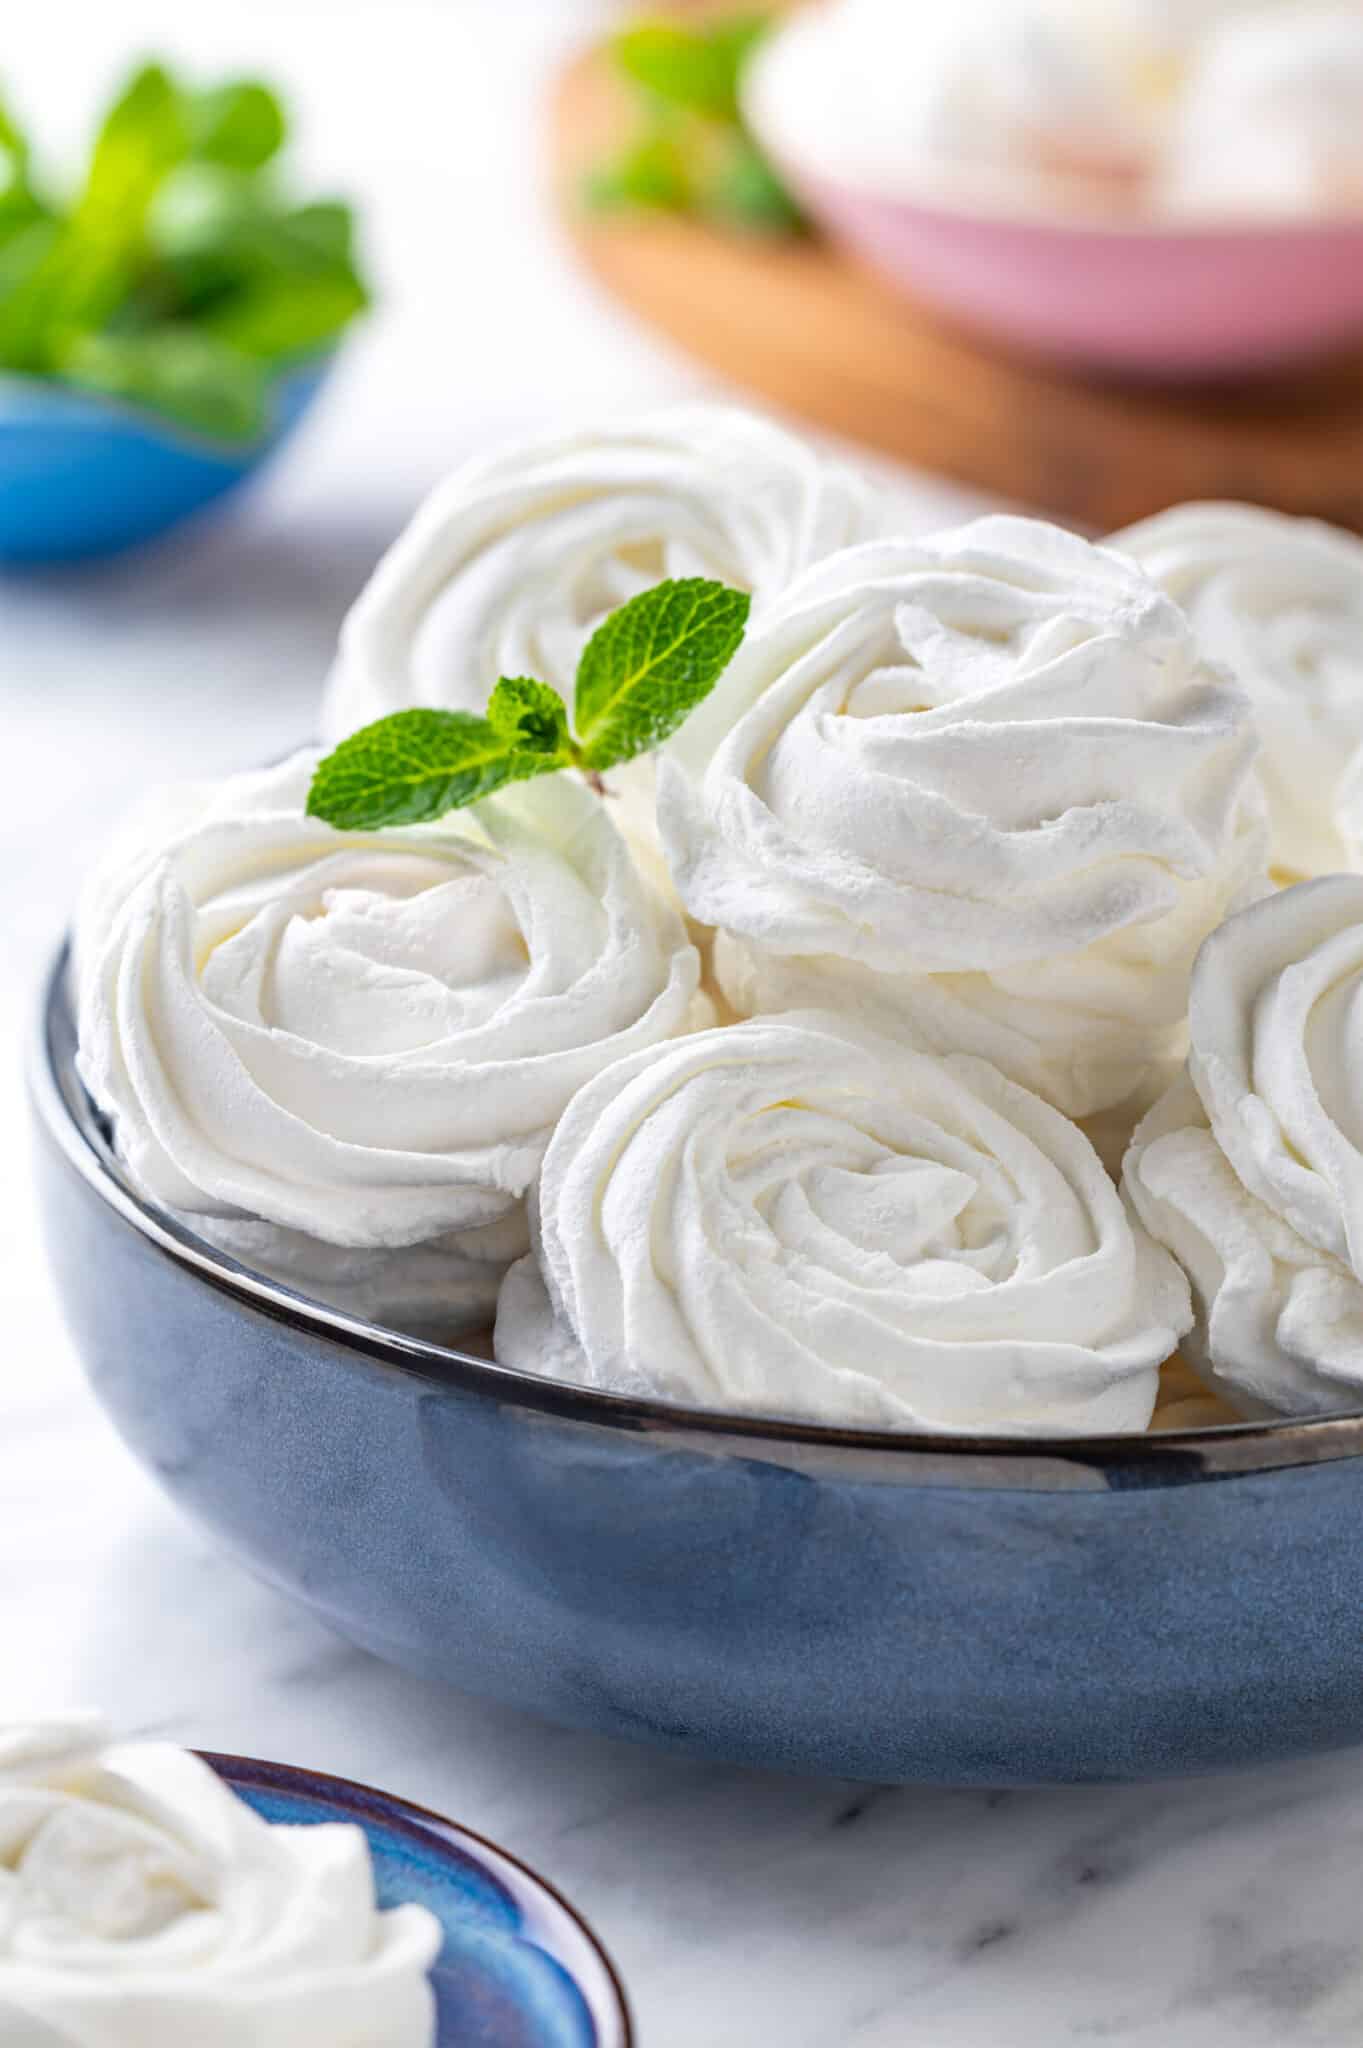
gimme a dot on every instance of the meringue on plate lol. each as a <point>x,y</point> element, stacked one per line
<point>981,790</point>
<point>342,1054</point>
<point>794,1217</point>
<point>1279,602</point>
<point>143,1905</point>
<point>1251,1168</point>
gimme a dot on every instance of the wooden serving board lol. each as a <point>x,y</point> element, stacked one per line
<point>803,327</point>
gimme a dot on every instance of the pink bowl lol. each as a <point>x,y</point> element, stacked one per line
<point>1154,301</point>
<point>1157,299</point>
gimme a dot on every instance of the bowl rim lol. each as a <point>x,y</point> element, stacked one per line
<point>30,400</point>
<point>348,1794</point>
<point>964,203</point>
<point>1002,1463</point>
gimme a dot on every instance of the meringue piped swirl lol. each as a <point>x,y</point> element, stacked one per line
<point>1268,124</point>
<point>515,559</point>
<point>1008,101</point>
<point>796,1218</point>
<point>1251,1168</point>
<point>1279,602</point>
<point>366,1038</point>
<point>146,1906</point>
<point>943,764</point>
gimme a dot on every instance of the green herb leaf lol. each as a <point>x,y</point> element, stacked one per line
<point>534,718</point>
<point>20,205</point>
<point>222,245</point>
<point>696,68</point>
<point>746,192</point>
<point>89,266</point>
<point>325,226</point>
<point>651,663</point>
<point>653,172</point>
<point>179,371</point>
<point>179,276</point>
<point>280,319</point>
<point>410,768</point>
<point>241,124</point>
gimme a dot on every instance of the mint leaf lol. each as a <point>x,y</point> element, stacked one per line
<point>534,719</point>
<point>652,172</point>
<point>651,663</point>
<point>642,672</point>
<point>746,192</point>
<point>696,68</point>
<point>410,768</point>
<point>282,318</point>
<point>326,227</point>
<point>241,124</point>
<point>91,262</point>
<point>276,282</point>
<point>179,371</point>
<point>181,272</point>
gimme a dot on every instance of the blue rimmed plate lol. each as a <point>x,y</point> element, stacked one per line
<point>519,1969</point>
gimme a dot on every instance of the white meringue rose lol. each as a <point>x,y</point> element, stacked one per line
<point>1251,1168</point>
<point>1279,602</point>
<point>143,1905</point>
<point>981,789</point>
<point>363,1040</point>
<point>512,563</point>
<point>1270,121</point>
<point>1011,101</point>
<point>792,1217</point>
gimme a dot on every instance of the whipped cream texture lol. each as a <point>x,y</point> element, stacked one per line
<point>364,1039</point>
<point>793,1217</point>
<point>1270,120</point>
<point>1251,1168</point>
<point>1010,99</point>
<point>513,561</point>
<point>143,1905</point>
<point>1279,603</point>
<point>983,791</point>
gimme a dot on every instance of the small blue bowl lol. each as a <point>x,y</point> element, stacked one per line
<point>519,1968</point>
<point>82,476</point>
<point>965,1611</point>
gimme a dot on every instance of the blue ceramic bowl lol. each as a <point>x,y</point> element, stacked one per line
<point>519,1968</point>
<point>82,476</point>
<point>965,1611</point>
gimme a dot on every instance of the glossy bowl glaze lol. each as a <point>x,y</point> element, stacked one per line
<point>964,1611</point>
<point>82,476</point>
<point>519,1968</point>
<point>1156,299</point>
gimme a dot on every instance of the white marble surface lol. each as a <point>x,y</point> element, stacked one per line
<point>745,1911</point>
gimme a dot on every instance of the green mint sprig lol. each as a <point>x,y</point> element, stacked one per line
<point>642,673</point>
<point>690,151</point>
<point>180,273</point>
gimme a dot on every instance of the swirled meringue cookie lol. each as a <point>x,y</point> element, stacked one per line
<point>793,1217</point>
<point>1251,1168</point>
<point>981,789</point>
<point>335,1047</point>
<point>143,1905</point>
<point>1269,121</point>
<point>1009,102</point>
<point>512,563</point>
<point>1279,602</point>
